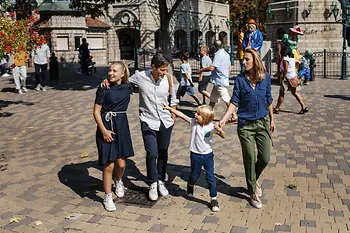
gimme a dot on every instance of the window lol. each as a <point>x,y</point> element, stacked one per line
<point>62,43</point>
<point>77,42</point>
<point>95,42</point>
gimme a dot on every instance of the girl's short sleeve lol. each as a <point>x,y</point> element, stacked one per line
<point>100,94</point>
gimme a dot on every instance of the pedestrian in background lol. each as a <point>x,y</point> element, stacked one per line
<point>186,84</point>
<point>20,71</point>
<point>40,60</point>
<point>113,134</point>
<point>252,96</point>
<point>204,77</point>
<point>84,56</point>
<point>220,71</point>
<point>240,52</point>
<point>3,67</point>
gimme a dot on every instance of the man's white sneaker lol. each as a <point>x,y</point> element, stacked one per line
<point>5,75</point>
<point>38,87</point>
<point>44,88</point>
<point>258,190</point>
<point>24,89</point>
<point>20,91</point>
<point>109,203</point>
<point>255,201</point>
<point>153,192</point>
<point>162,189</point>
<point>119,188</point>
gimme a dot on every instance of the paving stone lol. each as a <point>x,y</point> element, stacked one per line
<point>335,213</point>
<point>235,229</point>
<point>307,223</point>
<point>284,228</point>
<point>313,206</point>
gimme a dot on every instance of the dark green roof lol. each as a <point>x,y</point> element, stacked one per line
<point>54,6</point>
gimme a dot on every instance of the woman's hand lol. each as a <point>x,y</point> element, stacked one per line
<point>272,126</point>
<point>105,83</point>
<point>107,136</point>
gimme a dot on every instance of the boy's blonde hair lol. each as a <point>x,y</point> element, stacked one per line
<point>124,66</point>
<point>207,113</point>
<point>205,48</point>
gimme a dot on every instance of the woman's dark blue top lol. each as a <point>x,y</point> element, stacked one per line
<point>114,99</point>
<point>252,104</point>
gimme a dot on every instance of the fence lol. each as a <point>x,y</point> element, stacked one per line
<point>328,63</point>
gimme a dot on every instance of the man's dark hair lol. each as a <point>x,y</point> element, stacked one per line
<point>218,44</point>
<point>185,56</point>
<point>159,60</point>
<point>83,40</point>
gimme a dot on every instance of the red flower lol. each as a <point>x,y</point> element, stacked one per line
<point>36,12</point>
<point>13,36</point>
<point>1,34</point>
<point>21,48</point>
<point>8,49</point>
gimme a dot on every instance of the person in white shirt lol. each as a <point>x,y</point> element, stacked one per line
<point>201,151</point>
<point>40,59</point>
<point>155,87</point>
<point>289,72</point>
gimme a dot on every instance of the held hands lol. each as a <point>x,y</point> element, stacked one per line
<point>199,71</point>
<point>107,136</point>
<point>105,83</point>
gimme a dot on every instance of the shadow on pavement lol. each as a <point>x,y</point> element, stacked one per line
<point>6,103</point>
<point>343,97</point>
<point>183,172</point>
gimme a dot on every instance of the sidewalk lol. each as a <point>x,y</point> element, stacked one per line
<point>46,187</point>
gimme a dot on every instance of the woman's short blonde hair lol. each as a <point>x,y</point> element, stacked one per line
<point>123,65</point>
<point>207,113</point>
<point>258,67</point>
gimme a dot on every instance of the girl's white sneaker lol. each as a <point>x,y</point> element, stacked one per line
<point>108,202</point>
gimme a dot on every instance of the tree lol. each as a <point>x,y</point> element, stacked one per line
<point>96,8</point>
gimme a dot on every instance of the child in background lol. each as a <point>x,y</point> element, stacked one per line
<point>113,135</point>
<point>186,84</point>
<point>304,67</point>
<point>20,71</point>
<point>201,151</point>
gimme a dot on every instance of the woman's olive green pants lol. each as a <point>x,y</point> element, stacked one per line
<point>254,134</point>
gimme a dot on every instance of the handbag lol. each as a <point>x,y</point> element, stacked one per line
<point>294,82</point>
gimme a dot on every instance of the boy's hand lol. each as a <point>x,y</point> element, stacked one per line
<point>166,107</point>
<point>199,71</point>
<point>105,83</point>
<point>219,130</point>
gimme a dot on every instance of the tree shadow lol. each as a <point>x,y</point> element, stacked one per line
<point>343,97</point>
<point>183,172</point>
<point>6,103</point>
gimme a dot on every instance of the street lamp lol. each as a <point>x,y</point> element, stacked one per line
<point>137,26</point>
<point>344,20</point>
<point>230,26</point>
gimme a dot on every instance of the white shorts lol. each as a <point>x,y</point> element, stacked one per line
<point>219,92</point>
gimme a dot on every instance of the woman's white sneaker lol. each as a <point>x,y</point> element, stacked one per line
<point>108,202</point>
<point>255,201</point>
<point>153,192</point>
<point>162,189</point>
<point>258,190</point>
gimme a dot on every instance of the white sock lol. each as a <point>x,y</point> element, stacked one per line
<point>213,198</point>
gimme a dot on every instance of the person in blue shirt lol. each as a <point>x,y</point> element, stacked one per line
<point>253,38</point>
<point>252,96</point>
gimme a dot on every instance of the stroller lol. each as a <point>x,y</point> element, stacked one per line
<point>91,66</point>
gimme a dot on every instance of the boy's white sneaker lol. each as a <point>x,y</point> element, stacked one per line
<point>119,188</point>
<point>162,189</point>
<point>38,87</point>
<point>108,202</point>
<point>153,192</point>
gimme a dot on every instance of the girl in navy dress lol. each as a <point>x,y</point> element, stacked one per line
<point>113,135</point>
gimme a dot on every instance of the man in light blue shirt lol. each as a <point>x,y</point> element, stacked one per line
<point>220,71</point>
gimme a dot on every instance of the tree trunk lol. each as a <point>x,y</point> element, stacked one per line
<point>165,40</point>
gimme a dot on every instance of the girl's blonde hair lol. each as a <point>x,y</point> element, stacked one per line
<point>124,66</point>
<point>207,113</point>
<point>258,68</point>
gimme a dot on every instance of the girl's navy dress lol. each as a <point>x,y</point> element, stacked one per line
<point>114,102</point>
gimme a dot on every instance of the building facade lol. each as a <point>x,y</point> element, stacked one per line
<point>321,29</point>
<point>114,36</point>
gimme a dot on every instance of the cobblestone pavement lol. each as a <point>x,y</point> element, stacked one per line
<point>46,187</point>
